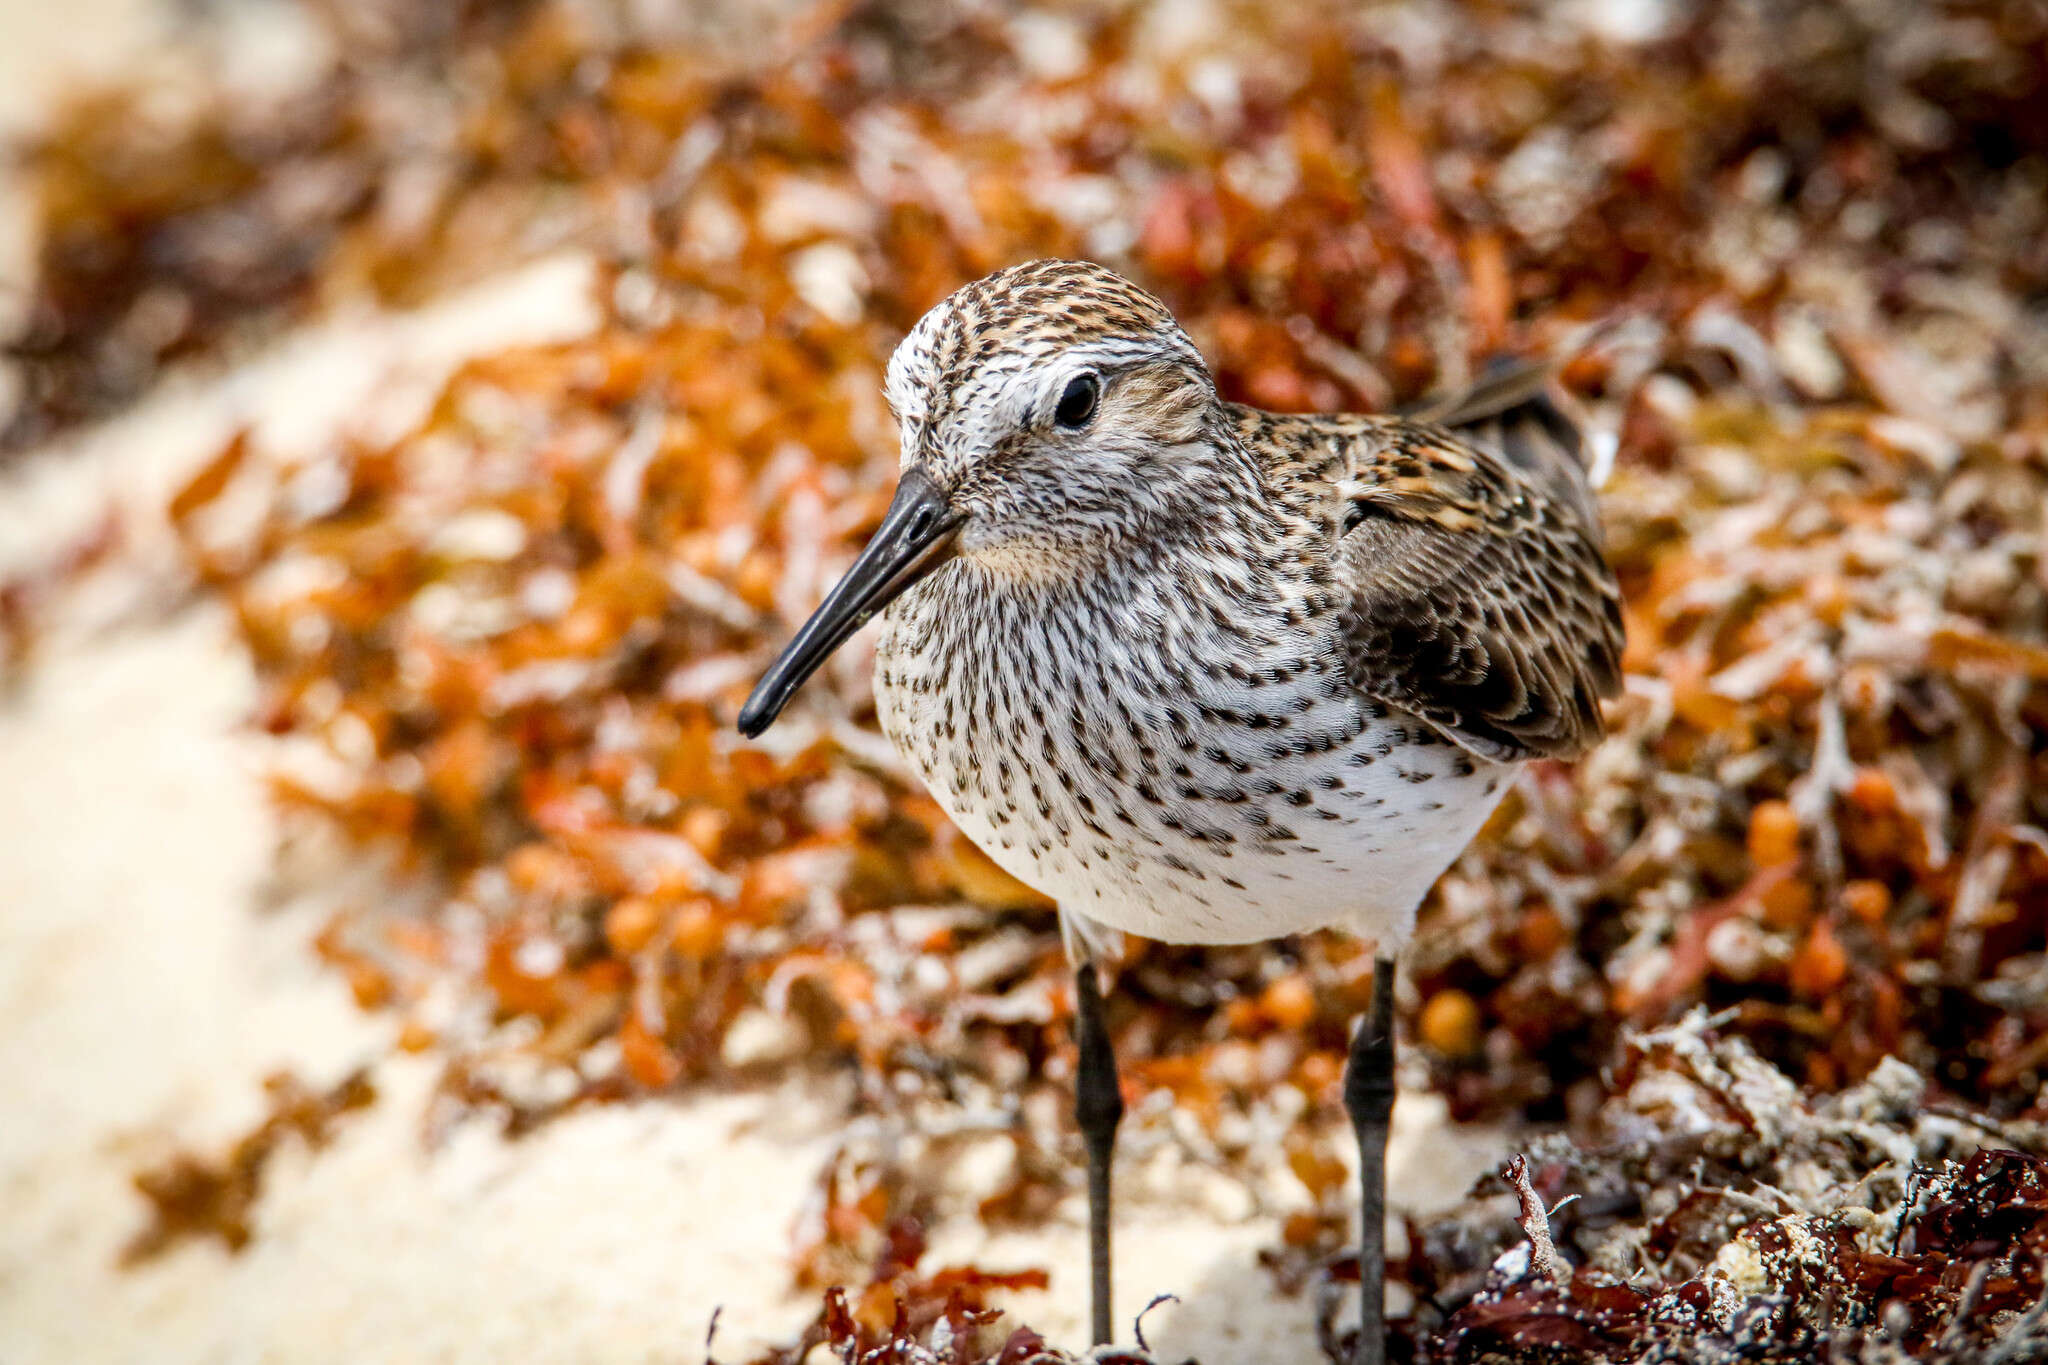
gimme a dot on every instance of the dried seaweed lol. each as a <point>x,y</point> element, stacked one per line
<point>161,223</point>
<point>1728,1217</point>
<point>194,1196</point>
<point>907,1317</point>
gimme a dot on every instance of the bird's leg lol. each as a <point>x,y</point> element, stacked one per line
<point>1098,1108</point>
<point>1369,1099</point>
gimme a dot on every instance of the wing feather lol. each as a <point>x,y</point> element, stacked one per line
<point>1479,598</point>
<point>1476,595</point>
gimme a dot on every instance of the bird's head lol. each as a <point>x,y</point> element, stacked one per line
<point>1048,412</point>
<point>1046,405</point>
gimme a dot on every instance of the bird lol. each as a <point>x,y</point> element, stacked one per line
<point>1208,674</point>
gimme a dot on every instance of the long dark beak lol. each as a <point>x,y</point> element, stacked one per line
<point>915,537</point>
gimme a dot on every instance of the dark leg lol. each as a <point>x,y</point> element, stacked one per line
<point>1098,1107</point>
<point>1369,1098</point>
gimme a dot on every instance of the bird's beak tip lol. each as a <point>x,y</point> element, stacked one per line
<point>757,715</point>
<point>915,537</point>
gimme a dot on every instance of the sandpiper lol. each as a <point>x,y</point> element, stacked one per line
<point>1209,674</point>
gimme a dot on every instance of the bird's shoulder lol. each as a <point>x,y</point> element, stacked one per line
<point>1471,586</point>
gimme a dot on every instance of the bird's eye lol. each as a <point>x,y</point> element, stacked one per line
<point>1077,404</point>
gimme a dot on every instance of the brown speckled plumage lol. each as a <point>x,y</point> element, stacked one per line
<point>1211,674</point>
<point>1476,595</point>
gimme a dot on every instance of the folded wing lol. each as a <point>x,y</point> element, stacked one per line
<point>1478,596</point>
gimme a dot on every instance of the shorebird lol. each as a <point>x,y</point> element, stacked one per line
<point>1209,674</point>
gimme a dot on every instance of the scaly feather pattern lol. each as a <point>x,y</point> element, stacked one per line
<point>1476,594</point>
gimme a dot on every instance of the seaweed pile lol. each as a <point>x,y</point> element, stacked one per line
<point>1716,1212</point>
<point>1795,254</point>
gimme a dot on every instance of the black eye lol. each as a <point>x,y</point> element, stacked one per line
<point>1077,404</point>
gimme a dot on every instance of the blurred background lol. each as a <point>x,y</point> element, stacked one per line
<point>419,422</point>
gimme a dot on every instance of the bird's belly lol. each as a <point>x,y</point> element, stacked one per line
<point>1351,837</point>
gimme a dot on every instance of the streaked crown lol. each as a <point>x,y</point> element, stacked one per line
<point>1044,398</point>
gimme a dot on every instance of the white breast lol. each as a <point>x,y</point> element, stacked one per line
<point>1108,790</point>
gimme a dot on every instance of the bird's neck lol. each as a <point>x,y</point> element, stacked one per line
<point>1212,567</point>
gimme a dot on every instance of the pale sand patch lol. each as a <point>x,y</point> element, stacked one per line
<point>146,989</point>
<point>144,996</point>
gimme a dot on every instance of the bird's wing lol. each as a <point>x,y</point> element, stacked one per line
<point>1509,409</point>
<point>1474,591</point>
